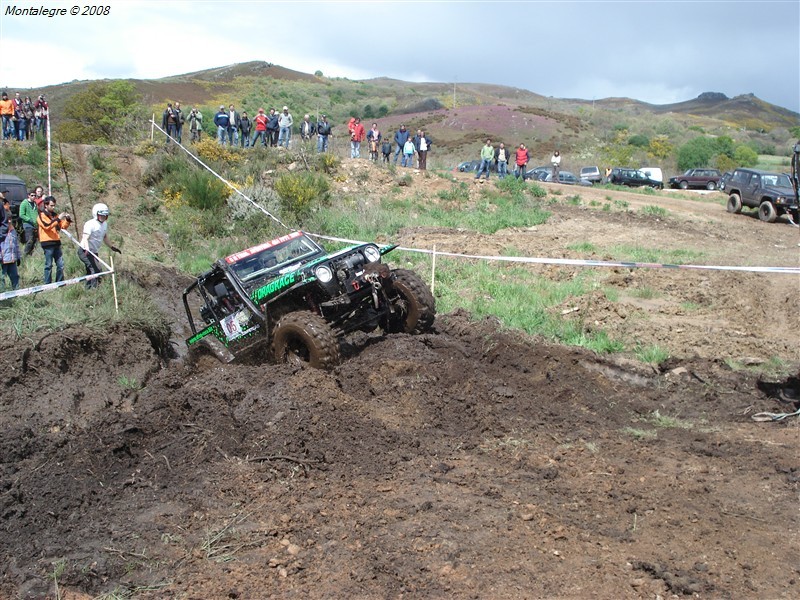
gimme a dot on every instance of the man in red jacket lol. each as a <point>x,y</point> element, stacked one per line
<point>522,158</point>
<point>357,134</point>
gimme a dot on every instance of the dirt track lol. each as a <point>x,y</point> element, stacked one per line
<point>467,463</point>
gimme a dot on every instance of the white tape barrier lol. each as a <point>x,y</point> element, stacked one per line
<point>519,259</point>
<point>52,286</point>
<point>580,262</point>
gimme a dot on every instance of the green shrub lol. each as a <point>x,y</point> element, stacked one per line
<point>202,190</point>
<point>302,193</point>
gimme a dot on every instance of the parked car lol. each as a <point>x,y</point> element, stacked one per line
<point>723,181</point>
<point>568,178</point>
<point>771,193</point>
<point>591,174</point>
<point>539,173</point>
<point>16,192</point>
<point>632,178</point>
<point>696,178</point>
<point>469,166</point>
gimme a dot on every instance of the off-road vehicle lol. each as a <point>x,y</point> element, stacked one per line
<point>771,193</point>
<point>291,301</point>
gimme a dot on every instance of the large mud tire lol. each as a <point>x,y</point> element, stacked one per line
<point>767,212</point>
<point>734,203</point>
<point>303,337</point>
<point>414,306</point>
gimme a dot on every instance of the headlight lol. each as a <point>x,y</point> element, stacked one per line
<point>324,274</point>
<point>780,200</point>
<point>372,254</point>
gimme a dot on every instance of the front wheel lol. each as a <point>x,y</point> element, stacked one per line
<point>711,186</point>
<point>734,204</point>
<point>304,337</point>
<point>767,212</point>
<point>413,306</point>
<point>684,185</point>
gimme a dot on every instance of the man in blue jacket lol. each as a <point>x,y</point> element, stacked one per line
<point>400,138</point>
<point>221,120</point>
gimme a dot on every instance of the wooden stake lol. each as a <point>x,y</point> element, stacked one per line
<point>433,271</point>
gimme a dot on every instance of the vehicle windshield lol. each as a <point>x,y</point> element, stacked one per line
<point>273,258</point>
<point>776,180</point>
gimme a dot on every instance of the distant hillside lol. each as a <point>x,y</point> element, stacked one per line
<point>460,115</point>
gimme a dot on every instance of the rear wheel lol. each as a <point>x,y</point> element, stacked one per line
<point>767,212</point>
<point>303,337</point>
<point>412,302</point>
<point>734,204</point>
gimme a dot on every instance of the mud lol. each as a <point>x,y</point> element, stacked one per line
<point>470,462</point>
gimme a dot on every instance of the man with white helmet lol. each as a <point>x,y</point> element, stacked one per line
<point>95,233</point>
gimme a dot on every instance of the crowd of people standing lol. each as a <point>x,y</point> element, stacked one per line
<point>22,118</point>
<point>275,129</point>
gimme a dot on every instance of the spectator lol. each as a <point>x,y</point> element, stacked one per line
<point>233,126</point>
<point>95,233</point>
<point>386,150</point>
<point>408,153</point>
<point>423,144</point>
<point>487,156</point>
<point>356,137</point>
<point>17,101</point>
<point>195,124</point>
<point>285,122</point>
<point>20,120</point>
<point>244,129</point>
<point>521,160</point>
<point>501,156</point>
<point>307,129</point>
<point>272,127</point>
<point>400,138</point>
<point>260,122</point>
<point>29,214</point>
<point>30,117</point>
<point>324,131</point>
<point>5,215</point>
<point>50,226</point>
<point>169,123</point>
<point>41,111</point>
<point>39,197</point>
<point>7,114</point>
<point>555,160</point>
<point>179,122</point>
<point>9,254</point>
<point>373,139</point>
<point>221,120</point>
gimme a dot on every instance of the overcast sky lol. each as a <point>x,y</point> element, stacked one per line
<point>657,51</point>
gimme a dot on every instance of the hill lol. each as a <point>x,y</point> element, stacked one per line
<point>459,115</point>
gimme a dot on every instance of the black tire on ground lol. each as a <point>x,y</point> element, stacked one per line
<point>711,186</point>
<point>684,185</point>
<point>303,337</point>
<point>414,306</point>
<point>767,212</point>
<point>734,204</point>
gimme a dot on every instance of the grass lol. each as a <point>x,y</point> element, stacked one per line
<point>774,367</point>
<point>640,434</point>
<point>654,211</point>
<point>652,354</point>
<point>667,422</point>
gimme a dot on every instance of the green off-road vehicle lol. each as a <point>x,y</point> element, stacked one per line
<point>289,300</point>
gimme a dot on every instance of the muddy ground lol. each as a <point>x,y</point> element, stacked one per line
<point>471,462</point>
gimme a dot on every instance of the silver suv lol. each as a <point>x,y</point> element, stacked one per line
<point>592,174</point>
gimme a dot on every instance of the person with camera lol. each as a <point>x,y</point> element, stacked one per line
<point>95,234</point>
<point>50,226</point>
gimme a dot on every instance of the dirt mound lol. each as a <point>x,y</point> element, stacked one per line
<point>470,462</point>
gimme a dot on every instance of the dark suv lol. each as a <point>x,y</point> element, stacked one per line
<point>290,300</point>
<point>632,178</point>
<point>696,178</point>
<point>771,193</point>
